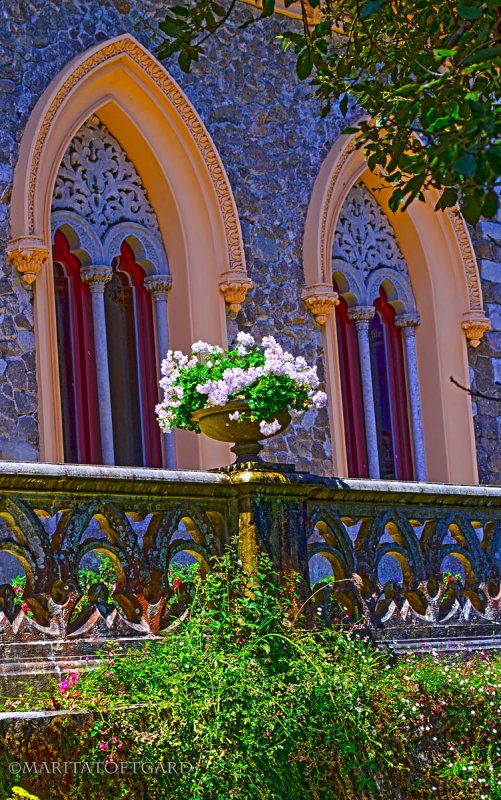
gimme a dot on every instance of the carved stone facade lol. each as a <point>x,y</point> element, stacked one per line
<point>272,143</point>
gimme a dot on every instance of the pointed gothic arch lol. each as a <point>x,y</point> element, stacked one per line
<point>132,94</point>
<point>447,290</point>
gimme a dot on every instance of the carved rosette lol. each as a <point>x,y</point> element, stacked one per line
<point>28,254</point>
<point>96,277</point>
<point>320,299</point>
<point>159,286</point>
<point>475,324</point>
<point>234,285</point>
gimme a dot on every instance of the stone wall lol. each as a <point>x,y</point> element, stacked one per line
<point>272,143</point>
<point>485,361</point>
<point>270,139</point>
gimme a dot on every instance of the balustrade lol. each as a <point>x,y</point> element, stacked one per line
<point>408,562</point>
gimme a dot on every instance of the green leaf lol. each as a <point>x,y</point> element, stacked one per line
<point>484,54</point>
<point>448,198</point>
<point>471,208</point>
<point>491,204</point>
<point>184,60</point>
<point>445,53</point>
<point>371,7</point>
<point>181,11</point>
<point>172,27</point>
<point>268,8</point>
<point>465,165</point>
<point>304,65</point>
<point>343,105</point>
<point>325,109</point>
<point>415,184</point>
<point>469,12</point>
<point>405,91</point>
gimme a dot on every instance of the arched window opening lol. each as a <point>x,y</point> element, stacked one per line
<point>370,336</point>
<point>353,412</point>
<point>132,364</point>
<point>392,407</point>
<point>106,243</point>
<point>76,356</point>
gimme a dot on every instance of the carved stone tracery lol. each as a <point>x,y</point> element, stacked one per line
<point>364,238</point>
<point>97,181</point>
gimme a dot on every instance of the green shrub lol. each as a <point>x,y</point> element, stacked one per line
<point>257,708</point>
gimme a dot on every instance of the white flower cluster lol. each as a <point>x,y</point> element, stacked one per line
<point>234,379</point>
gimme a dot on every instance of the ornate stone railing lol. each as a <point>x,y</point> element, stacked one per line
<point>410,562</point>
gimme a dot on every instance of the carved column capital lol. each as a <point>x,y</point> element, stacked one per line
<point>159,286</point>
<point>28,254</point>
<point>96,277</point>
<point>234,285</point>
<point>408,321</point>
<point>361,315</point>
<point>475,324</point>
<point>320,299</point>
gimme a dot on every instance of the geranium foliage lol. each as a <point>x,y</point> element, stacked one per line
<point>266,377</point>
<point>426,74</point>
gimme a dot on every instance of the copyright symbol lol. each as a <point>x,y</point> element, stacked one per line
<point>15,767</point>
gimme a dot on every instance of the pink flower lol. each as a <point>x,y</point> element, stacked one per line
<point>102,745</point>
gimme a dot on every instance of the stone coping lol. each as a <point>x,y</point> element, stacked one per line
<point>39,478</point>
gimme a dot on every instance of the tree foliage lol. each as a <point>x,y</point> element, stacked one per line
<point>427,75</point>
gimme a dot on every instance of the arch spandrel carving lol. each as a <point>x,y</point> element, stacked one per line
<point>97,181</point>
<point>29,191</point>
<point>366,252</point>
<point>342,169</point>
<point>364,237</point>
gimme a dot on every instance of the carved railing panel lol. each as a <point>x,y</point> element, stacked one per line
<point>406,561</point>
<point>408,572</point>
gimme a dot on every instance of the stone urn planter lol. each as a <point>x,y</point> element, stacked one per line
<point>217,422</point>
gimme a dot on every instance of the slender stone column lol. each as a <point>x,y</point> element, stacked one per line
<point>159,287</point>
<point>362,316</point>
<point>96,277</point>
<point>408,323</point>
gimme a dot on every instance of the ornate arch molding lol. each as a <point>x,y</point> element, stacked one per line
<point>29,247</point>
<point>342,168</point>
<point>136,99</point>
<point>445,284</point>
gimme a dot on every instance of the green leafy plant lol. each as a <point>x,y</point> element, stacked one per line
<point>261,708</point>
<point>427,75</point>
<point>267,377</point>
